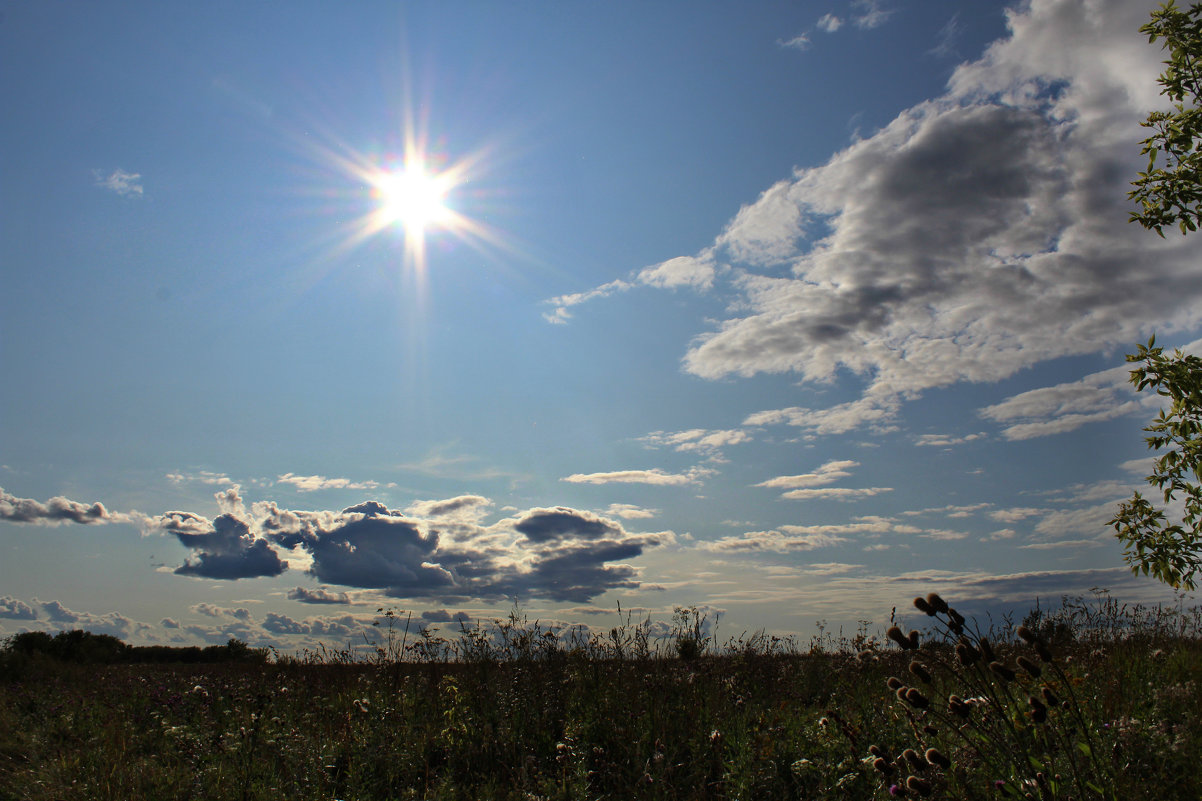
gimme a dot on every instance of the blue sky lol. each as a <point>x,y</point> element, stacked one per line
<point>790,311</point>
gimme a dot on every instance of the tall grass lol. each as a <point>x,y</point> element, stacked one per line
<point>516,710</point>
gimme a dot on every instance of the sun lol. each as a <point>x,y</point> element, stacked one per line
<point>413,197</point>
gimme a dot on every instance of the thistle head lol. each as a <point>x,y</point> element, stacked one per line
<point>915,759</point>
<point>1004,672</point>
<point>917,784</point>
<point>938,604</point>
<point>921,605</point>
<point>921,672</point>
<point>937,757</point>
<point>895,633</point>
<point>1026,664</point>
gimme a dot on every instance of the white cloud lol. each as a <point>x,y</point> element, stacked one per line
<point>870,411</point>
<point>628,511</point>
<point>702,440</point>
<point>826,474</point>
<point>653,476</point>
<point>829,23</point>
<point>124,183</point>
<point>799,42</point>
<point>869,14</point>
<point>833,493</point>
<point>696,272</point>
<point>1064,407</point>
<point>775,541</point>
<point>975,235</point>
<point>315,483</point>
<point>945,440</point>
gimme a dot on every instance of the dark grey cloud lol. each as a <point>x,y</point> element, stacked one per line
<point>224,549</point>
<point>557,553</point>
<point>544,525</point>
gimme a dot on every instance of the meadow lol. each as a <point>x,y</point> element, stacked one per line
<point>1093,699</point>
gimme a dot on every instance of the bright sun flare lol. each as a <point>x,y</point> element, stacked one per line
<point>413,197</point>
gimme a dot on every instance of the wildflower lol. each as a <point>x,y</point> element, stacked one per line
<point>918,785</point>
<point>1029,666</point>
<point>937,757</point>
<point>896,791</point>
<point>715,737</point>
<point>921,672</point>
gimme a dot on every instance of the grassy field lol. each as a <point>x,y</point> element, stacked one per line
<point>1095,700</point>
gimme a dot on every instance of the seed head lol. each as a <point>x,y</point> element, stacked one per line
<point>915,698</point>
<point>913,639</point>
<point>957,706</point>
<point>1029,666</point>
<point>915,759</point>
<point>936,757</point>
<point>1039,712</point>
<point>1048,696</point>
<point>937,603</point>
<point>894,682</point>
<point>1044,652</point>
<point>921,672</point>
<point>1003,671</point>
<point>921,605</point>
<point>955,616</point>
<point>1026,635</point>
<point>917,784</point>
<point>967,654</point>
<point>986,649</point>
<point>894,633</point>
<point>884,767</point>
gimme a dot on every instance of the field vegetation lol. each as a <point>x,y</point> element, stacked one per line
<point>1091,700</point>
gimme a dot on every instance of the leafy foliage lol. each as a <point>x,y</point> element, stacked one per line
<point>1169,551</point>
<point>1170,190</point>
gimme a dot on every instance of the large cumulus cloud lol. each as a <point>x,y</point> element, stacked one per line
<point>977,234</point>
<point>557,553</point>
